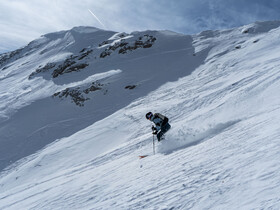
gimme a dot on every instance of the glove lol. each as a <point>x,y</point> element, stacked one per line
<point>154,130</point>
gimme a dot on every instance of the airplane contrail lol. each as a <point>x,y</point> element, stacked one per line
<point>96,18</point>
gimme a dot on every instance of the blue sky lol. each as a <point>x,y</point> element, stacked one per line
<point>22,21</point>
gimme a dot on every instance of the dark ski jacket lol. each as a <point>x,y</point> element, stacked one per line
<point>159,120</point>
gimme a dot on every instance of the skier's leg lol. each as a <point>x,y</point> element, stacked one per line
<point>159,135</point>
<point>165,128</point>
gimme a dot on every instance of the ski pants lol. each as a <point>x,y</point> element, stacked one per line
<point>164,128</point>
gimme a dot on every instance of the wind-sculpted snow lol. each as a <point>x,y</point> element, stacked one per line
<point>222,151</point>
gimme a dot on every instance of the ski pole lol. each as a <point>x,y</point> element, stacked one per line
<point>154,143</point>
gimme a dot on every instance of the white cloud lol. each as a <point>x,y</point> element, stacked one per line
<point>22,21</point>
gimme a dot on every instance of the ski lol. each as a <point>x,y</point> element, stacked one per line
<point>142,156</point>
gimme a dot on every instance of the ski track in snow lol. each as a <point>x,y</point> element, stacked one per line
<point>222,151</point>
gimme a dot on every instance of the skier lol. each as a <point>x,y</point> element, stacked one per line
<point>161,122</point>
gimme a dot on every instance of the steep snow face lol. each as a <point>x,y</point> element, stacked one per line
<point>222,151</point>
<point>66,81</point>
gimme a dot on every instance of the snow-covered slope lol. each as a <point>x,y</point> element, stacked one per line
<point>220,90</point>
<point>66,81</point>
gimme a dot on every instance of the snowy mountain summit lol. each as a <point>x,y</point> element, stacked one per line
<point>72,120</point>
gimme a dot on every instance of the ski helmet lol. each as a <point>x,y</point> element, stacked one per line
<point>149,115</point>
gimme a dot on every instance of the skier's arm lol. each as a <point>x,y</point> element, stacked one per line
<point>157,127</point>
<point>157,122</point>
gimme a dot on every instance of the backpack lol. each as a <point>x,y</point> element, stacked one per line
<point>164,119</point>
